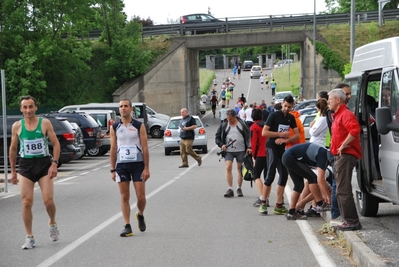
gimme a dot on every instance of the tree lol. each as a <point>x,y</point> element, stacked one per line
<point>344,6</point>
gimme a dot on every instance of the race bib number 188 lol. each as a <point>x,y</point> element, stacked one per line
<point>34,147</point>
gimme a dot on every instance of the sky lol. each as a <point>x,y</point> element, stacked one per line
<point>160,11</point>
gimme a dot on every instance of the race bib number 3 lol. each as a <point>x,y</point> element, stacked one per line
<point>128,153</point>
<point>34,147</point>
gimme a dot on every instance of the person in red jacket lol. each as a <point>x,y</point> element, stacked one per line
<point>258,144</point>
<point>300,128</point>
<point>345,147</point>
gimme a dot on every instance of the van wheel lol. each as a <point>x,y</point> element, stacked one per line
<point>367,204</point>
<point>167,151</point>
<point>156,132</point>
<point>94,152</point>
<point>205,149</point>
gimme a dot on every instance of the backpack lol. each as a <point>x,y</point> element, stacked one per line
<point>247,168</point>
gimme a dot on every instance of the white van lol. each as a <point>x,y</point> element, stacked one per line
<point>154,121</point>
<point>374,82</point>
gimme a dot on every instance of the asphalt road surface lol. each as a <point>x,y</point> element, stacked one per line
<point>189,222</point>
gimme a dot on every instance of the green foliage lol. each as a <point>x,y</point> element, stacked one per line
<point>347,68</point>
<point>373,30</point>
<point>288,78</point>
<point>206,80</point>
<point>331,58</point>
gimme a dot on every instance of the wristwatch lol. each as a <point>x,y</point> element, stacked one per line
<point>112,170</point>
<point>55,161</point>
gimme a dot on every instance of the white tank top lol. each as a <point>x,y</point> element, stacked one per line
<point>128,142</point>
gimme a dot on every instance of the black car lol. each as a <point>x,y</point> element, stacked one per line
<point>90,128</point>
<point>247,65</point>
<point>205,23</point>
<point>63,130</point>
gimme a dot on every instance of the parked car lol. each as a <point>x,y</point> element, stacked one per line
<point>202,107</point>
<point>202,19</point>
<point>306,104</point>
<point>306,120</point>
<point>79,140</point>
<point>247,65</point>
<point>279,97</point>
<point>307,111</point>
<point>63,130</point>
<point>153,120</point>
<point>283,62</point>
<point>104,118</point>
<point>172,140</point>
<point>90,128</point>
<point>256,72</point>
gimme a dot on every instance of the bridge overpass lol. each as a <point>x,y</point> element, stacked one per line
<point>173,82</point>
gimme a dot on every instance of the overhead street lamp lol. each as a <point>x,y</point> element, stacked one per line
<point>381,4</point>
<point>352,37</point>
<point>314,50</point>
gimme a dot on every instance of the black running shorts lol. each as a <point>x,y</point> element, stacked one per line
<point>34,168</point>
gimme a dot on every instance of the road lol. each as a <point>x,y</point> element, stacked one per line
<point>189,222</point>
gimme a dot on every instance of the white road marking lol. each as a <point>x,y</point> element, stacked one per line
<point>66,179</point>
<point>319,252</point>
<point>99,228</point>
<point>84,173</point>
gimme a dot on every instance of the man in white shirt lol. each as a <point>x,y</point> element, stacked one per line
<point>241,113</point>
<point>248,115</point>
<point>262,81</point>
<point>204,98</point>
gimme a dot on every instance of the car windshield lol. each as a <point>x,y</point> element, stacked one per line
<point>174,124</point>
<point>256,68</point>
<point>282,95</point>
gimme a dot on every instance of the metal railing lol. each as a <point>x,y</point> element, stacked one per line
<point>269,22</point>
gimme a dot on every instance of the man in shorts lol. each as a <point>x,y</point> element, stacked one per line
<point>298,160</point>
<point>276,129</point>
<point>231,89</point>
<point>130,159</point>
<point>36,165</point>
<point>233,129</point>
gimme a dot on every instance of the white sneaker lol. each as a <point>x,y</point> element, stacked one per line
<point>29,242</point>
<point>54,233</point>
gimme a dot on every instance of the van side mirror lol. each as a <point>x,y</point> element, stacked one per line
<point>384,122</point>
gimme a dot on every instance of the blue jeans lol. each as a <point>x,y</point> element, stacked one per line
<point>335,213</point>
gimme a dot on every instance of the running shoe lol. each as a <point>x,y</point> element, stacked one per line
<point>141,222</point>
<point>263,209</point>
<point>29,242</point>
<point>312,213</point>
<point>280,210</point>
<point>229,193</point>
<point>323,207</point>
<point>301,211</point>
<point>127,232</point>
<point>257,202</point>
<point>54,233</point>
<point>239,192</point>
<point>295,216</point>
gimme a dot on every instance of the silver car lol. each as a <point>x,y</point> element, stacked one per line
<point>171,139</point>
<point>256,72</point>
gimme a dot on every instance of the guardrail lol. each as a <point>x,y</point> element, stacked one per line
<point>270,22</point>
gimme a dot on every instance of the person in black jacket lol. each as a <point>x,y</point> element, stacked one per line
<point>233,129</point>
